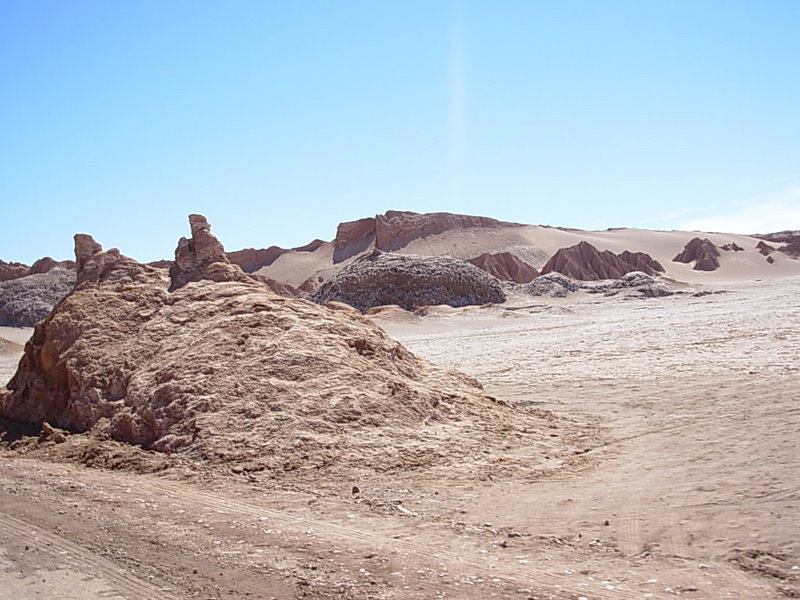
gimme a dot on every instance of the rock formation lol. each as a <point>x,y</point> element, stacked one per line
<point>202,257</point>
<point>9,271</point>
<point>505,267</point>
<point>791,248</point>
<point>29,299</point>
<point>12,270</point>
<point>765,248</point>
<point>395,229</point>
<point>732,246</point>
<point>228,373</point>
<point>702,252</point>
<point>251,259</point>
<point>553,285</point>
<point>410,282</point>
<point>586,263</point>
<point>556,285</point>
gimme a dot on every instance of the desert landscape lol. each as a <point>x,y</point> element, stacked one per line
<point>427,406</point>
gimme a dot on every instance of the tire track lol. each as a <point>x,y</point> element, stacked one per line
<point>85,561</point>
<point>417,551</point>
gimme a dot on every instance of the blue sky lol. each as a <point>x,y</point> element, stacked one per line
<point>277,120</point>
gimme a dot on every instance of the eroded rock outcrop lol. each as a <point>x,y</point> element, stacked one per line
<point>586,263</point>
<point>396,229</point>
<point>9,271</point>
<point>764,248</point>
<point>226,372</point>
<point>12,270</point>
<point>702,252</point>
<point>410,282</point>
<point>505,267</point>
<point>202,258</point>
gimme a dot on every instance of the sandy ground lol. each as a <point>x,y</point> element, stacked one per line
<point>692,490</point>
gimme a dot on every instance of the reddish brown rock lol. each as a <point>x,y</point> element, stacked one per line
<point>85,248</point>
<point>395,229</point>
<point>702,252</point>
<point>12,270</point>
<point>251,260</point>
<point>505,266</point>
<point>641,261</point>
<point>46,264</point>
<point>584,262</point>
<point>353,237</point>
<point>282,289</point>
<point>765,248</point>
<point>732,246</point>
<point>792,248</point>
<point>202,257</point>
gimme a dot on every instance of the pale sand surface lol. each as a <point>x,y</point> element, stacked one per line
<point>12,343</point>
<point>695,477</point>
<point>700,395</point>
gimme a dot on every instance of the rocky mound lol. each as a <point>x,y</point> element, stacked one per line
<point>791,248</point>
<point>410,282</point>
<point>556,285</point>
<point>29,299</point>
<point>553,285</point>
<point>12,270</point>
<point>702,252</point>
<point>764,248</point>
<point>505,267</point>
<point>586,263</point>
<point>225,371</point>
<point>15,270</point>
<point>395,229</point>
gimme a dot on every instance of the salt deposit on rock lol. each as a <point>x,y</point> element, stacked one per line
<point>29,299</point>
<point>223,370</point>
<point>410,282</point>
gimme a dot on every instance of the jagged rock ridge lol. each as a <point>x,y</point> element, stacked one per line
<point>702,252</point>
<point>410,281</point>
<point>505,267</point>
<point>586,263</point>
<point>395,229</point>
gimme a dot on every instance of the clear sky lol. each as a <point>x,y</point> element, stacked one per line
<point>277,120</point>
